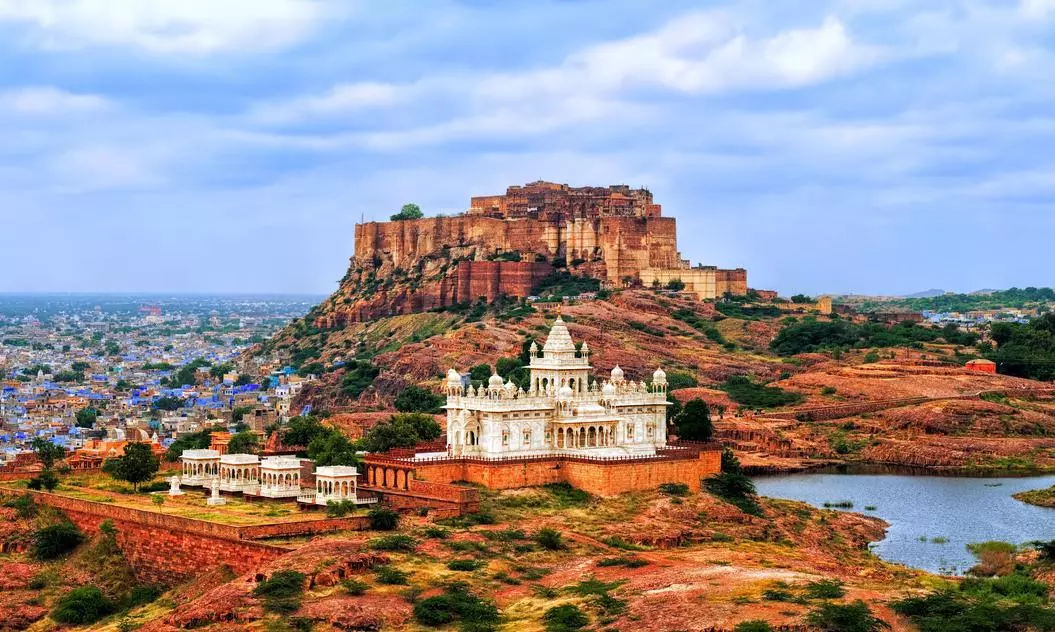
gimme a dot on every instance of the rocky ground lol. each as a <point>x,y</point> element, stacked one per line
<point>643,561</point>
<point>950,426</point>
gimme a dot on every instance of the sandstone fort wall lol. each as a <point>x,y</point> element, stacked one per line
<point>165,549</point>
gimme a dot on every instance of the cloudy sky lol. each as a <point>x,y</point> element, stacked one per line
<point>879,146</point>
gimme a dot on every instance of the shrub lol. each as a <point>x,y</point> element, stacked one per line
<point>626,561</point>
<point>391,576</point>
<point>566,495</point>
<point>825,589</point>
<point>437,533</point>
<point>339,508</point>
<point>674,489</point>
<point>754,625</point>
<point>383,519</point>
<point>733,486</point>
<point>744,391</point>
<point>416,399</point>
<point>354,586</point>
<point>23,505</point>
<point>463,565</point>
<point>457,604</point>
<point>56,540</point>
<point>82,606</point>
<point>394,542</point>
<point>550,539</point>
<point>564,619</point>
<point>829,390</point>
<point>851,617</point>
<point>282,591</point>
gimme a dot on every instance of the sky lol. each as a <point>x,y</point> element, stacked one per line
<point>868,146</point>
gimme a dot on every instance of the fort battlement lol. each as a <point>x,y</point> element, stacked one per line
<point>504,245</point>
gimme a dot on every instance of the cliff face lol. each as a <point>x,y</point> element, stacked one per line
<point>416,265</point>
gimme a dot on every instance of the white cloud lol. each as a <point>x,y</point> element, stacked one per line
<point>48,101</point>
<point>1037,9</point>
<point>166,26</point>
<point>705,53</point>
<point>341,99</point>
<point>697,53</point>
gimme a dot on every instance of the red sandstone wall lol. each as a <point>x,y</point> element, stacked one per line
<point>602,479</point>
<point>731,281</point>
<point>167,549</point>
<point>491,279</point>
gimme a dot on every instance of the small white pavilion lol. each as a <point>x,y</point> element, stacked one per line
<point>280,477</point>
<point>239,472</point>
<point>200,467</point>
<point>337,483</point>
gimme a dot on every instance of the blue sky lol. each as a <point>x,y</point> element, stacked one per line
<point>874,146</point>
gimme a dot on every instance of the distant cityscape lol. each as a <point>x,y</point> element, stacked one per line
<point>91,372</point>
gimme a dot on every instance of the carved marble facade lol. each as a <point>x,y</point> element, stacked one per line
<point>562,412</point>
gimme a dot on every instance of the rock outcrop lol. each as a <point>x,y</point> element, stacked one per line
<point>505,245</point>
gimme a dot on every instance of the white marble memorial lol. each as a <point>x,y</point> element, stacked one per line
<point>562,412</point>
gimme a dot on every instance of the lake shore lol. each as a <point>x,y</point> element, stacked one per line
<point>1038,497</point>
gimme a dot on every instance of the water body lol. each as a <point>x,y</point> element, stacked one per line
<point>919,509</point>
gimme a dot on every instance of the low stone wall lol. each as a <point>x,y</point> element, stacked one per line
<point>599,477</point>
<point>164,549</point>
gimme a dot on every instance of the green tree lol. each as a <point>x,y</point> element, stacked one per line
<point>86,417</point>
<point>137,465</point>
<point>409,211</point>
<point>47,452</point>
<point>358,376</point>
<point>694,422</point>
<point>168,403</point>
<point>245,442</point>
<point>239,413</point>
<point>480,373</point>
<point>194,441</point>
<point>332,448</point>
<point>415,399</point>
<point>401,431</point>
<point>301,431</point>
<point>217,372</point>
<point>676,285</point>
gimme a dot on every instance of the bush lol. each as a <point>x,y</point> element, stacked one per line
<point>825,589</point>
<point>55,541</point>
<point>355,587</point>
<point>383,519</point>
<point>82,606</point>
<point>851,617</point>
<point>394,542</point>
<point>550,539</point>
<point>625,561</point>
<point>564,619</point>
<point>463,565</point>
<point>744,391</point>
<point>415,399</point>
<point>282,591</point>
<point>24,506</point>
<point>391,576</point>
<point>457,604</point>
<point>339,508</point>
<point>674,489</point>
<point>732,485</point>
<point>754,625</point>
<point>437,533</point>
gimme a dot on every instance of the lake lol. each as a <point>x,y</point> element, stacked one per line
<point>923,510</point>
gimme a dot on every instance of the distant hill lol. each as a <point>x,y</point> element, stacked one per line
<point>926,294</point>
<point>1014,298</point>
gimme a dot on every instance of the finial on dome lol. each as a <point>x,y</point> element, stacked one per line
<point>617,374</point>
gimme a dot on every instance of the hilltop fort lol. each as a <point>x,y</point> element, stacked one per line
<point>505,245</point>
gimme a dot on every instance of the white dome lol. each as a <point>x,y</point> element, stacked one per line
<point>659,377</point>
<point>453,376</point>
<point>608,389</point>
<point>510,387</point>
<point>559,339</point>
<point>617,374</point>
<point>495,381</point>
<point>565,392</point>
